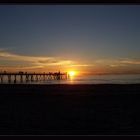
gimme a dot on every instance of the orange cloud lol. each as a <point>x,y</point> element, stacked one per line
<point>135,62</point>
<point>36,61</point>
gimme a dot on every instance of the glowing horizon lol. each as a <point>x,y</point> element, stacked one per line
<point>40,63</point>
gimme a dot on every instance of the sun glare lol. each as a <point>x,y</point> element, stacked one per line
<point>71,73</point>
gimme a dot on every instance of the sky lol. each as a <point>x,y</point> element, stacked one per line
<point>89,39</point>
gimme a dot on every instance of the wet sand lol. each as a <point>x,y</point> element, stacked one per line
<point>70,109</point>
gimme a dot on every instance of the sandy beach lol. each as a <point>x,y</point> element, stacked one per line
<point>100,109</point>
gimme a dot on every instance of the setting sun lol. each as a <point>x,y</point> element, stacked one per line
<point>71,73</point>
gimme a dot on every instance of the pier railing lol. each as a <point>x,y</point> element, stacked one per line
<point>30,77</point>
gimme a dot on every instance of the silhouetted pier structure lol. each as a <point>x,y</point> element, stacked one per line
<point>30,77</point>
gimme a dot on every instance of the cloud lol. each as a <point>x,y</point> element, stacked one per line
<point>82,65</point>
<point>12,60</point>
<point>117,65</point>
<point>135,62</point>
<point>35,61</point>
<point>54,62</point>
<point>125,62</point>
<point>47,61</point>
<point>118,62</point>
<point>11,56</point>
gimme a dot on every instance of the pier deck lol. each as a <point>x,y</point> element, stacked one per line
<point>29,77</point>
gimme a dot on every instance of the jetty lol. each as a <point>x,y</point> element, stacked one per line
<point>13,77</point>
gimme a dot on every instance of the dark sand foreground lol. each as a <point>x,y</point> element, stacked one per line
<point>69,109</point>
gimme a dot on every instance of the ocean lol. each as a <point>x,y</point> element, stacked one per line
<point>98,79</point>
